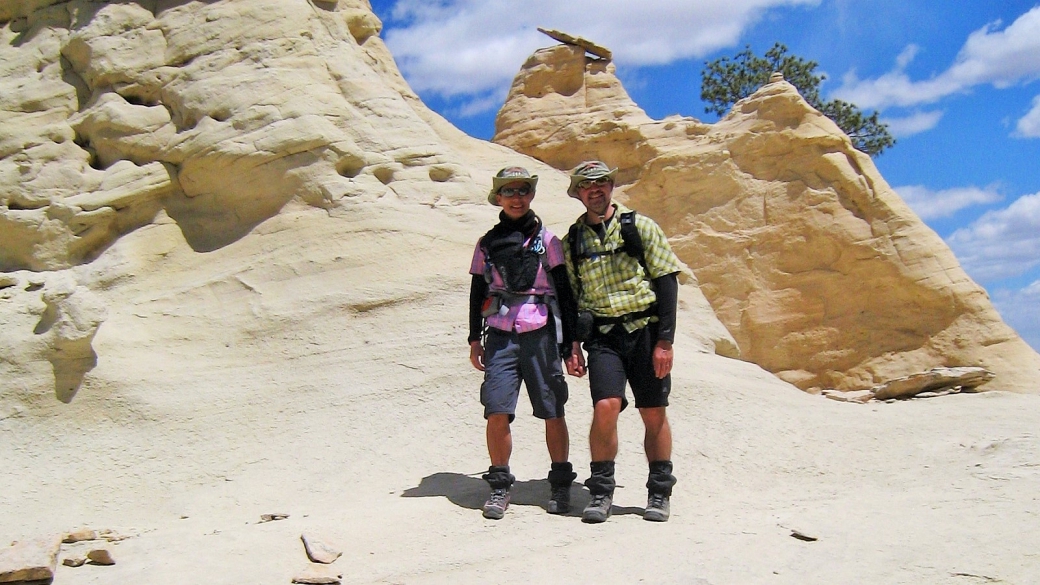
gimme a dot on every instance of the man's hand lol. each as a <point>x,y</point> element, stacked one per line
<point>476,355</point>
<point>576,361</point>
<point>663,358</point>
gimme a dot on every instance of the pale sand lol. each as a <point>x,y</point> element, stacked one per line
<point>301,374</point>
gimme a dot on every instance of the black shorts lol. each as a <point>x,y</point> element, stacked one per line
<point>617,357</point>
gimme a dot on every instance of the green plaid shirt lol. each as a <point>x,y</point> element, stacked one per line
<point>613,285</point>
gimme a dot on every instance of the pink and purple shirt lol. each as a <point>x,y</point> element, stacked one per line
<point>528,316</point>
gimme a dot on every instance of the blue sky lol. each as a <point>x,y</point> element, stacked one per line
<point>957,81</point>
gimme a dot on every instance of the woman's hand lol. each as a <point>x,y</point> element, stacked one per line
<point>476,355</point>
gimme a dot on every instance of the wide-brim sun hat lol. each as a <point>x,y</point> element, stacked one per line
<point>510,175</point>
<point>590,169</point>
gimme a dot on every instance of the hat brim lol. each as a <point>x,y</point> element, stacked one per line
<point>498,182</point>
<point>575,179</point>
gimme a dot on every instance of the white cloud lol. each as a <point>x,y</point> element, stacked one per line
<point>463,47</point>
<point>1001,244</point>
<point>479,105</point>
<point>1021,310</point>
<point>907,56</point>
<point>928,204</point>
<point>913,124</point>
<point>1029,125</point>
<point>998,57</point>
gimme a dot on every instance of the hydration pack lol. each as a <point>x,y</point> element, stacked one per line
<point>516,264</point>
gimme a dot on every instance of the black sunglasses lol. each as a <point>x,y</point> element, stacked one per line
<point>523,191</point>
<point>598,181</point>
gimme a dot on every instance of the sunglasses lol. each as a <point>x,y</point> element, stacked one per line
<point>598,181</point>
<point>523,191</point>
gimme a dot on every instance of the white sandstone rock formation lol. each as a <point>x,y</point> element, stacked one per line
<point>214,116</point>
<point>821,272</point>
<point>202,196</point>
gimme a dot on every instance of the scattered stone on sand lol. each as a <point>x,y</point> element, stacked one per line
<point>272,517</point>
<point>934,380</point>
<point>30,560</point>
<point>100,556</point>
<point>80,536</point>
<point>74,561</point>
<point>860,396</point>
<point>319,551</point>
<point>111,535</point>
<point>803,536</point>
<point>318,575</point>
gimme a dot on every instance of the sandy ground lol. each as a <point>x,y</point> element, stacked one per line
<point>278,375</point>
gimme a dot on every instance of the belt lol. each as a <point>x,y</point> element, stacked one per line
<point>626,318</point>
<point>512,299</point>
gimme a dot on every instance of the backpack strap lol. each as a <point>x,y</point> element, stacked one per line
<point>552,301</point>
<point>634,242</point>
<point>632,245</point>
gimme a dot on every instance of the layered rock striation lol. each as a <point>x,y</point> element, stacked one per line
<point>122,120</point>
<point>821,272</point>
<point>215,113</point>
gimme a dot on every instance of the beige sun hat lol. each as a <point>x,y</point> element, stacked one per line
<point>509,175</point>
<point>590,169</point>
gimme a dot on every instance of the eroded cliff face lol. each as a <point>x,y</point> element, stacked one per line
<point>216,113</point>
<point>214,117</point>
<point>821,272</point>
<point>177,176</point>
<point>211,116</point>
<point>130,118</point>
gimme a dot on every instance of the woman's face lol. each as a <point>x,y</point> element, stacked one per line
<point>515,198</point>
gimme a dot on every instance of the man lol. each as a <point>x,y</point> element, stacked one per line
<point>519,286</point>
<point>626,318</point>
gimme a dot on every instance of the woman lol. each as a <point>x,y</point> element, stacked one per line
<point>521,293</point>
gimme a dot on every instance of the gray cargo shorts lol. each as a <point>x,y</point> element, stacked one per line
<point>532,358</point>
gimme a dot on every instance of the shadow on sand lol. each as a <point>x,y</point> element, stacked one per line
<point>469,491</point>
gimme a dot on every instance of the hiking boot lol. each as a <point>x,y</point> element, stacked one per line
<point>598,509</point>
<point>495,506</point>
<point>559,499</point>
<point>657,508</point>
<point>561,476</point>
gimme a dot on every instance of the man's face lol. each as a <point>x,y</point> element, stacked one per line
<point>515,198</point>
<point>595,194</point>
